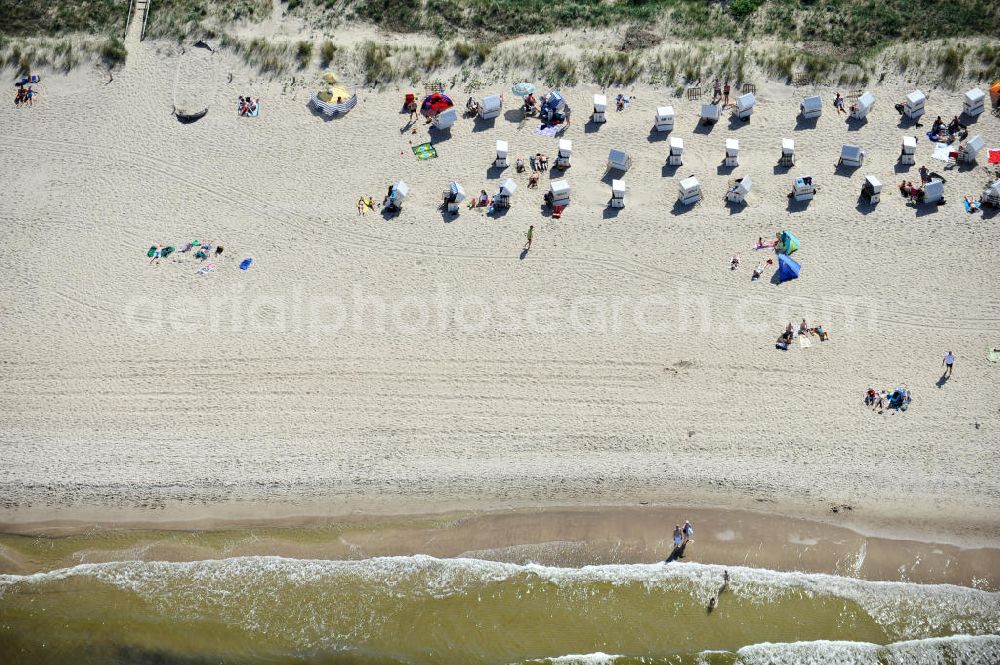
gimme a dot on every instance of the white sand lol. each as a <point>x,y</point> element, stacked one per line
<point>131,385</point>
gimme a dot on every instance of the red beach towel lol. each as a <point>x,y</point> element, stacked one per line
<point>994,156</point>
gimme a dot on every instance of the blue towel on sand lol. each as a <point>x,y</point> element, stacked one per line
<point>245,264</point>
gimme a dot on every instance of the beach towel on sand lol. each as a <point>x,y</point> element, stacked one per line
<point>993,355</point>
<point>425,151</point>
<point>547,131</point>
<point>941,151</point>
<point>804,342</point>
<point>994,157</point>
<point>245,263</point>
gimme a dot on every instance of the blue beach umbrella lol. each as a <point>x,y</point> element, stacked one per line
<point>522,89</point>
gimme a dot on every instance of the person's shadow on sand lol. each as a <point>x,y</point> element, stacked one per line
<point>676,553</point>
<point>943,380</point>
<point>524,253</point>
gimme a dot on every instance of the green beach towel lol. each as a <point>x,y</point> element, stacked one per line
<point>425,151</point>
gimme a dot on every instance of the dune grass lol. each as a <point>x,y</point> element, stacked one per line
<point>36,18</point>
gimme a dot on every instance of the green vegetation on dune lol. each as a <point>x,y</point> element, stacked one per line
<point>38,18</point>
<point>182,18</point>
<point>853,25</point>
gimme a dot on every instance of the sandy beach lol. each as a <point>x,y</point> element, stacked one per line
<point>421,363</point>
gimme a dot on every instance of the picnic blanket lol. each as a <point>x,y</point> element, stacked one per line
<point>545,130</point>
<point>804,342</point>
<point>941,151</point>
<point>994,157</point>
<point>425,151</point>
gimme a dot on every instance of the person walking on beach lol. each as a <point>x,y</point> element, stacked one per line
<point>678,536</point>
<point>725,95</point>
<point>530,235</point>
<point>948,362</point>
<point>688,532</point>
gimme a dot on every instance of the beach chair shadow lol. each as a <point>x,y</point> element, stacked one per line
<point>736,207</point>
<point>680,208</point>
<point>803,124</point>
<point>968,119</point>
<point>655,136</point>
<point>901,167</point>
<point>906,122</point>
<point>796,206</point>
<point>438,135</point>
<point>722,169</point>
<point>480,125</point>
<point>703,128</point>
<point>780,169</point>
<point>735,123</point>
<point>612,174</point>
<point>924,209</point>
<point>853,124</point>
<point>515,116</point>
<point>669,170</point>
<point>592,127</point>
<point>989,213</point>
<point>494,172</point>
<point>610,213</point>
<point>845,170</point>
<point>863,206</point>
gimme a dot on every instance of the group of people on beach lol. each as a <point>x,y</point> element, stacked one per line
<point>248,105</point>
<point>25,96</point>
<point>785,339</point>
<point>720,93</point>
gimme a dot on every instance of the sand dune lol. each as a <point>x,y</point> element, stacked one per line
<point>364,359</point>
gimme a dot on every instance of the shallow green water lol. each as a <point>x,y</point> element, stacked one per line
<point>426,610</point>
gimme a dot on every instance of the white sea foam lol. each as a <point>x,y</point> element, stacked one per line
<point>905,609</point>
<point>598,658</point>
<point>930,651</point>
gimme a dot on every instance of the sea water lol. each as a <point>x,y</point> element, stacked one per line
<point>419,609</point>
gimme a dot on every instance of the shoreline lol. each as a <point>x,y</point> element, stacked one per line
<point>566,536</point>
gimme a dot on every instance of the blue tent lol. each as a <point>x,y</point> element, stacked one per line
<point>788,268</point>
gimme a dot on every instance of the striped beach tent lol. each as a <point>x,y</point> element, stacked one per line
<point>332,109</point>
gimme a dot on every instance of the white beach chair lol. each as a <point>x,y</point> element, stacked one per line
<point>787,153</point>
<point>732,152</point>
<point>974,102</point>
<point>811,107</point>
<point>619,160</point>
<point>560,192</point>
<point>400,190</point>
<point>871,190</point>
<point>804,188</point>
<point>491,107</point>
<point>913,107</point>
<point>689,191</point>
<point>851,156</point>
<point>600,108</point>
<point>564,154</point>
<point>738,192</point>
<point>454,196</point>
<point>676,156</point>
<point>664,119</point>
<point>617,194</point>
<point>991,195</point>
<point>968,152</point>
<point>908,153</point>
<point>502,150</point>
<point>744,105</point>
<point>933,191</point>
<point>709,114</point>
<point>445,119</point>
<point>860,109</point>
